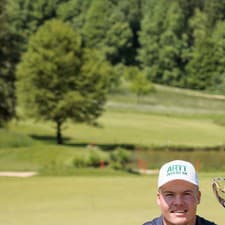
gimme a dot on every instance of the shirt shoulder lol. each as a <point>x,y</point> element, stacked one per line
<point>156,221</point>
<point>202,221</point>
<point>148,223</point>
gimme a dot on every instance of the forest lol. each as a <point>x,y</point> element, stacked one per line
<point>176,43</point>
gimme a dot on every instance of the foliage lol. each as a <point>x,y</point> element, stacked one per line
<point>106,28</point>
<point>27,16</point>
<point>140,84</point>
<point>163,42</point>
<point>192,132</point>
<point>96,157</point>
<point>218,59</point>
<point>120,158</point>
<point>67,81</point>
<point>79,162</point>
<point>7,58</point>
<point>173,42</point>
<point>74,12</point>
<point>200,67</point>
<point>117,159</point>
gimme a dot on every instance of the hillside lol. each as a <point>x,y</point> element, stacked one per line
<point>168,119</point>
<point>169,100</point>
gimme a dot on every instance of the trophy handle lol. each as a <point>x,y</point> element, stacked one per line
<point>218,190</point>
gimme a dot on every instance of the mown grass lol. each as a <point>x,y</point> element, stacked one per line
<point>14,139</point>
<point>149,130</point>
<point>170,100</point>
<point>90,200</point>
<point>167,119</point>
<point>133,128</point>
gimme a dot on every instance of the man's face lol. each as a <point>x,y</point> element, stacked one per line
<point>178,202</point>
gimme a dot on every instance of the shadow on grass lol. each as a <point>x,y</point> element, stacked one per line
<point>67,142</point>
<point>112,146</point>
<point>47,138</point>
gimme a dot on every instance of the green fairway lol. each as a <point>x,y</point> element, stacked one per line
<point>139,129</point>
<point>90,200</point>
<point>150,130</point>
<point>168,124</point>
<point>167,117</point>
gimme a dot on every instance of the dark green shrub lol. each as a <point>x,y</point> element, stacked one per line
<point>79,162</point>
<point>120,156</point>
<point>117,166</point>
<point>94,159</point>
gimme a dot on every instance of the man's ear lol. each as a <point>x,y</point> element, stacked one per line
<point>199,197</point>
<point>158,198</point>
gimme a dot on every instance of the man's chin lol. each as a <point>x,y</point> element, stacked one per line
<point>178,218</point>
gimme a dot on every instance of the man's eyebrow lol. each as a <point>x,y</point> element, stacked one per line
<point>165,191</point>
<point>191,190</point>
<point>184,191</point>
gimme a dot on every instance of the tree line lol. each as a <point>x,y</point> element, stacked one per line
<point>178,43</point>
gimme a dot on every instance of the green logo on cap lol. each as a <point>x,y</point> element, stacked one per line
<point>176,170</point>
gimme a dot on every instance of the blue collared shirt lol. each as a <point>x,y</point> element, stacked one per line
<point>199,221</point>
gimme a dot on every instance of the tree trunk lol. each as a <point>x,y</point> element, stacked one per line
<point>59,134</point>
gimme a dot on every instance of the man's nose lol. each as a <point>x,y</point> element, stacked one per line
<point>178,200</point>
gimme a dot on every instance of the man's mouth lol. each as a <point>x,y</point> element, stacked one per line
<point>179,211</point>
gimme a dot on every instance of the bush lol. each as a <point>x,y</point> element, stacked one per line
<point>79,162</point>
<point>91,158</point>
<point>120,157</point>
<point>94,159</point>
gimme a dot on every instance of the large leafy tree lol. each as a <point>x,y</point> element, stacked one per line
<point>58,80</point>
<point>19,20</point>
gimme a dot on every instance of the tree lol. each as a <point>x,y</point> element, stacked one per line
<point>106,28</point>
<point>200,65</point>
<point>151,30</point>
<point>26,16</point>
<point>218,58</point>
<point>7,58</point>
<point>74,12</point>
<point>21,19</point>
<point>58,80</point>
<point>132,14</point>
<point>164,41</point>
<point>140,85</point>
<point>215,11</point>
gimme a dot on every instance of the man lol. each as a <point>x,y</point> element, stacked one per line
<point>178,195</point>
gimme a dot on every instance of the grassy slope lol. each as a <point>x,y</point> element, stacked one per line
<point>150,130</point>
<point>168,117</point>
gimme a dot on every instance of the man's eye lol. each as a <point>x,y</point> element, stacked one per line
<point>187,193</point>
<point>169,194</point>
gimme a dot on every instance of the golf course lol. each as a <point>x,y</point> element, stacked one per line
<point>96,96</point>
<point>90,200</point>
<point>168,124</point>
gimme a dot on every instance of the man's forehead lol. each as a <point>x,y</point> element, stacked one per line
<point>178,185</point>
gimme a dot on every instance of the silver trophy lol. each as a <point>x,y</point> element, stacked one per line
<point>218,186</point>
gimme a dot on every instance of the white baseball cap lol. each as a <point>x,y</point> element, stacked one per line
<point>177,170</point>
